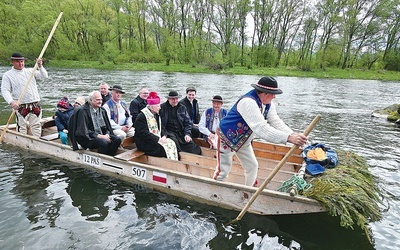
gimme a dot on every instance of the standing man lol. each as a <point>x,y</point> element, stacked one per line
<point>253,114</point>
<point>90,127</point>
<point>118,113</point>
<point>210,119</point>
<point>139,103</point>
<point>192,106</point>
<point>177,123</point>
<point>29,111</point>
<point>104,91</point>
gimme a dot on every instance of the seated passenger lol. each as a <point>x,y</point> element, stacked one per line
<point>90,127</point>
<point>175,119</point>
<point>192,107</point>
<point>63,113</point>
<point>149,136</point>
<point>118,113</point>
<point>79,101</point>
<point>138,103</point>
<point>209,121</point>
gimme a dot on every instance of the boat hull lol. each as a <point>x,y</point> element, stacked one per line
<point>165,178</point>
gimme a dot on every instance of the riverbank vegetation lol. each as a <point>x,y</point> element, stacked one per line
<point>335,39</point>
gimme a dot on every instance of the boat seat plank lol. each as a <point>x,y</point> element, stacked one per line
<point>129,155</point>
<point>129,141</point>
<point>50,137</point>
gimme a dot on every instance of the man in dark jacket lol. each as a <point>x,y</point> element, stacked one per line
<point>138,103</point>
<point>90,127</point>
<point>192,107</point>
<point>177,123</point>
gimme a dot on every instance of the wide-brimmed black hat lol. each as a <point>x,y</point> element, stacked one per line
<point>217,98</point>
<point>173,94</point>
<point>267,84</point>
<point>17,56</point>
<point>117,88</point>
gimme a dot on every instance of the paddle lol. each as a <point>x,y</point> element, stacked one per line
<point>274,171</point>
<point>31,76</point>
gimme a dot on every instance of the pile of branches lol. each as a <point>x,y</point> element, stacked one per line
<point>349,190</point>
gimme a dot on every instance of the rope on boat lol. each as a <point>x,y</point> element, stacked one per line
<point>294,185</point>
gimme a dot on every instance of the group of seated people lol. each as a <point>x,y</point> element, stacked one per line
<point>163,130</point>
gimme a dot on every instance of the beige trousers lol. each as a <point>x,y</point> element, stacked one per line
<point>30,122</point>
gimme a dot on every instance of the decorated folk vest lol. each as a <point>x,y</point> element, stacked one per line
<point>234,131</point>
<point>210,118</point>
<point>114,110</point>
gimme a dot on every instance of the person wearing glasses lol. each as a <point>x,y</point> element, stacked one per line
<point>139,103</point>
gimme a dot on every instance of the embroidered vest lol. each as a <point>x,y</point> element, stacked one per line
<point>114,111</point>
<point>234,131</point>
<point>210,118</point>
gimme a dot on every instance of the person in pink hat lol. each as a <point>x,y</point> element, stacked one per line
<point>149,136</point>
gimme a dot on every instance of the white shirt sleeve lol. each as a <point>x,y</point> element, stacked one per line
<point>202,125</point>
<point>41,73</point>
<point>275,132</point>
<point>6,88</point>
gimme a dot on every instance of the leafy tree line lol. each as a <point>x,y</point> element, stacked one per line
<point>220,33</point>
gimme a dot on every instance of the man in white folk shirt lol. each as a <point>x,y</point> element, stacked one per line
<point>254,114</point>
<point>29,111</point>
<point>118,113</point>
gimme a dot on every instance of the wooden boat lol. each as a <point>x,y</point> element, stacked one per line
<point>190,178</point>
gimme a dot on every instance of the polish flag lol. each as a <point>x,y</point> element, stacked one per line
<point>160,177</point>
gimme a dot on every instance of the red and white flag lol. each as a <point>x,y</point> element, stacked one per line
<point>159,177</point>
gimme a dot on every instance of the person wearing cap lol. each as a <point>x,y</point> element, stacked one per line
<point>176,121</point>
<point>104,91</point>
<point>210,119</point>
<point>79,101</point>
<point>63,113</point>
<point>150,137</point>
<point>139,103</point>
<point>90,127</point>
<point>253,115</point>
<point>192,107</point>
<point>118,113</point>
<point>28,110</point>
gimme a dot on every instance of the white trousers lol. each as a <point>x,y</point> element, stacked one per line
<point>246,157</point>
<point>121,134</point>
<point>31,122</point>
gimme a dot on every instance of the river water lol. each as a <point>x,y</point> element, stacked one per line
<point>48,204</point>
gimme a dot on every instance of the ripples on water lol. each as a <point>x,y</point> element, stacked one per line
<point>48,203</point>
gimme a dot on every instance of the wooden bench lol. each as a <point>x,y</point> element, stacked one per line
<point>129,155</point>
<point>50,137</point>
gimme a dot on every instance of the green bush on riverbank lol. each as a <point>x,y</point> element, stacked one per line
<point>211,69</point>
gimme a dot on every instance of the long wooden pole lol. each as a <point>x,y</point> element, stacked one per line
<point>31,76</point>
<point>274,172</point>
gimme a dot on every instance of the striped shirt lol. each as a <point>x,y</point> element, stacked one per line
<point>14,81</point>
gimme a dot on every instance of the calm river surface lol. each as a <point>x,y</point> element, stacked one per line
<point>47,204</point>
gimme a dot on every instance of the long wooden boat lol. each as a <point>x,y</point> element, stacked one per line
<point>190,178</point>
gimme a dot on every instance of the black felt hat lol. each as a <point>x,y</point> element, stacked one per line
<point>267,84</point>
<point>17,56</point>
<point>217,98</point>
<point>173,94</point>
<point>117,88</point>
